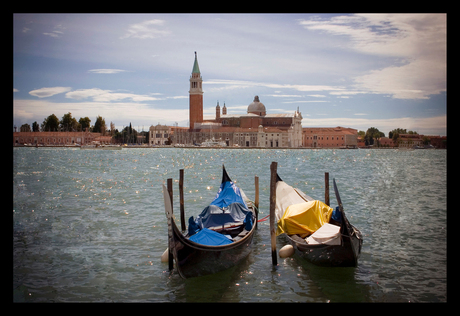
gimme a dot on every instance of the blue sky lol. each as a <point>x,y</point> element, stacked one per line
<point>360,71</point>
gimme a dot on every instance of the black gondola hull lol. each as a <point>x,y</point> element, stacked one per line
<point>193,260</point>
<point>344,255</point>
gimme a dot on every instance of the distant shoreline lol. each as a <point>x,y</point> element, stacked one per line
<point>199,147</point>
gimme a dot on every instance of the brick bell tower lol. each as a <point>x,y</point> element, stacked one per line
<point>195,96</point>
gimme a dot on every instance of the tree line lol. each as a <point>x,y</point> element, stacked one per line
<point>70,124</point>
<point>372,135</point>
<point>66,124</point>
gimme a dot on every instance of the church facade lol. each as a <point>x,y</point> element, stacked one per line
<point>256,128</point>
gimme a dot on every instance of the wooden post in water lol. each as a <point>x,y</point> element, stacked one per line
<point>273,170</point>
<point>181,199</point>
<point>256,199</point>
<point>326,192</point>
<point>170,219</point>
<point>170,191</point>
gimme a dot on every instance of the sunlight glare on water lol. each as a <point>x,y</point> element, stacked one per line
<point>89,226</point>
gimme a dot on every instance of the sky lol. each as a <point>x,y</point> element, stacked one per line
<point>352,70</point>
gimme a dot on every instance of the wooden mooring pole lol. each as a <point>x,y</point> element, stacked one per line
<point>170,245</point>
<point>181,199</point>
<point>273,170</point>
<point>326,192</point>
<point>256,199</point>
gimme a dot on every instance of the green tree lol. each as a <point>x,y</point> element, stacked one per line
<point>373,134</point>
<point>85,123</point>
<point>25,128</point>
<point>426,140</point>
<point>99,126</point>
<point>50,124</point>
<point>35,127</point>
<point>395,134</point>
<point>69,123</point>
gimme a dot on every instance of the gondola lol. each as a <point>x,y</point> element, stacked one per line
<point>337,243</point>
<point>219,238</point>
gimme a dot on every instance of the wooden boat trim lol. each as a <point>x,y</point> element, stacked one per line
<point>184,240</point>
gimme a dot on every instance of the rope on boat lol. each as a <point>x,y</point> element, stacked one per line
<point>264,219</point>
<point>257,210</point>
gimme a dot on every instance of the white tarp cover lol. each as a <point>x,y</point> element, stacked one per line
<point>328,234</point>
<point>286,196</point>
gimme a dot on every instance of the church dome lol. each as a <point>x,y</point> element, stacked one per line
<point>257,107</point>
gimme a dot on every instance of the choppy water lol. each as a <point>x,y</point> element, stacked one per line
<point>89,226</point>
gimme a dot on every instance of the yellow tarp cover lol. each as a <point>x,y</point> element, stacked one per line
<point>304,218</point>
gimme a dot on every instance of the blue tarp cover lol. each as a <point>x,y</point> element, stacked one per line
<point>213,216</point>
<point>227,207</point>
<point>228,193</point>
<point>210,238</point>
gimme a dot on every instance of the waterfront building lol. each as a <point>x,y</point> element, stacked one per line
<point>439,142</point>
<point>256,128</point>
<point>58,138</point>
<point>159,135</point>
<point>330,137</point>
<point>410,140</point>
<point>385,142</point>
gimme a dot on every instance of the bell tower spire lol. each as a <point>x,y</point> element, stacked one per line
<point>195,96</point>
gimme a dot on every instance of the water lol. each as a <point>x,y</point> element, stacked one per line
<point>89,226</point>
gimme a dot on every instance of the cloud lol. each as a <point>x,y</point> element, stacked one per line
<point>178,97</point>
<point>283,95</point>
<point>57,32</point>
<point>106,71</point>
<point>417,42</point>
<point>120,113</point>
<point>99,95</point>
<point>305,101</point>
<point>146,29</point>
<point>245,83</point>
<point>416,80</point>
<point>48,92</point>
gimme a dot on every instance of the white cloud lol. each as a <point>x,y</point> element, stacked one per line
<point>416,80</point>
<point>48,92</point>
<point>283,95</point>
<point>317,95</point>
<point>245,83</point>
<point>120,113</point>
<point>99,95</point>
<point>314,101</point>
<point>146,29</point>
<point>57,31</point>
<point>178,97</point>
<point>106,71</point>
<point>418,41</point>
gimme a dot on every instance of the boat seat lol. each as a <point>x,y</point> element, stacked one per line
<point>241,235</point>
<point>298,239</point>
